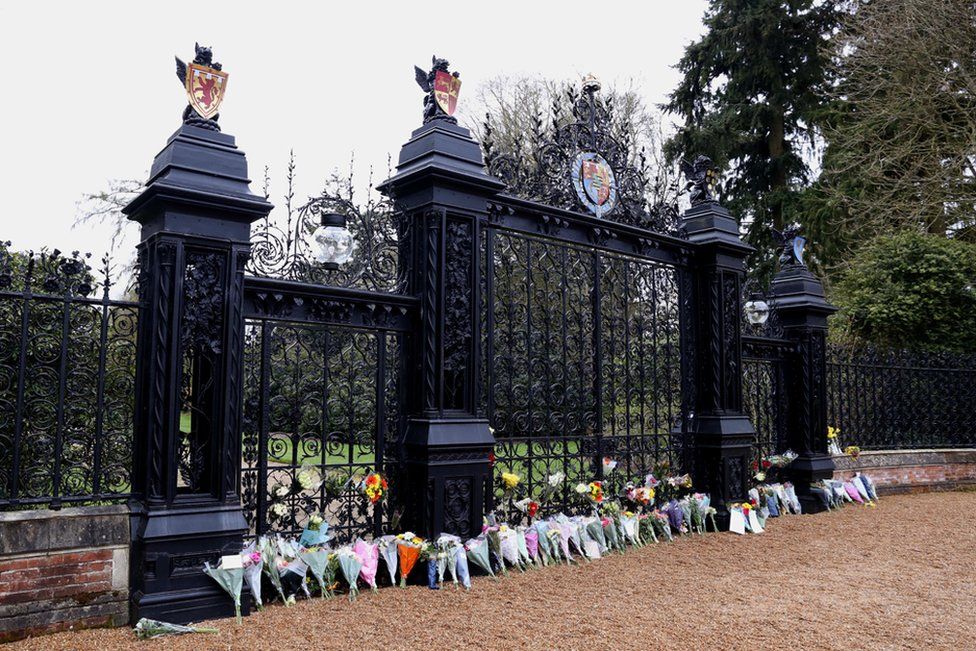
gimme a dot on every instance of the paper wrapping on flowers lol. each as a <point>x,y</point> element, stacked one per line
<point>532,544</point>
<point>269,554</point>
<point>594,527</point>
<point>318,564</point>
<point>409,547</point>
<point>350,565</point>
<point>509,546</point>
<point>369,556</point>
<point>231,580</point>
<point>461,565</point>
<point>523,548</point>
<point>293,578</point>
<point>541,529</point>
<point>253,566</point>
<point>629,523</point>
<point>478,553</point>
<point>387,546</point>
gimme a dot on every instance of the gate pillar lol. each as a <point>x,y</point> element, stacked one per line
<point>798,298</point>
<point>195,214</point>
<point>722,436</point>
<point>441,191</point>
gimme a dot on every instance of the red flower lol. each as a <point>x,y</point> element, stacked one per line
<point>753,501</point>
<point>755,466</point>
<point>533,509</point>
<point>766,463</point>
<point>491,459</point>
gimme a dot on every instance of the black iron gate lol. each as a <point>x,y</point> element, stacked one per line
<point>582,347</point>
<point>322,403</point>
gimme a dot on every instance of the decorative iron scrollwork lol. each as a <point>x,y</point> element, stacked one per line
<point>286,250</point>
<point>544,172</point>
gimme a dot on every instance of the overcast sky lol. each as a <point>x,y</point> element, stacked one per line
<point>91,92</point>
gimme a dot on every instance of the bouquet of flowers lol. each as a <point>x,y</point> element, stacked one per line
<point>528,506</point>
<point>460,562</point>
<point>350,565</point>
<point>445,544</point>
<point>269,556</point>
<point>292,574</point>
<point>832,445</point>
<point>374,487</point>
<point>545,545</point>
<point>369,556</point>
<point>508,545</point>
<point>409,547</point>
<point>316,532</point>
<point>628,522</point>
<point>388,547</point>
<point>252,561</point>
<point>549,490</point>
<point>523,547</point>
<point>662,525</point>
<point>495,547</point>
<point>230,579</point>
<point>594,527</point>
<point>532,544</point>
<point>148,629</point>
<point>319,560</point>
<point>645,527</point>
<point>509,482</point>
<point>477,552</point>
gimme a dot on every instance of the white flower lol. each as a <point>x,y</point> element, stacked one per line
<point>582,489</point>
<point>281,490</point>
<point>309,479</point>
<point>279,510</point>
<point>556,479</point>
<point>315,520</point>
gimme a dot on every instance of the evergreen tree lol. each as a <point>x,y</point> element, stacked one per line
<point>751,91</point>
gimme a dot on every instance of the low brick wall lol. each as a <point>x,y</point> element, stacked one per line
<point>900,471</point>
<point>63,569</point>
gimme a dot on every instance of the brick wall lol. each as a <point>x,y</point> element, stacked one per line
<point>898,471</point>
<point>63,569</point>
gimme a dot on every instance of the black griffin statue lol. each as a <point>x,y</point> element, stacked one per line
<point>203,57</point>
<point>791,246</point>
<point>432,110</point>
<point>701,179</point>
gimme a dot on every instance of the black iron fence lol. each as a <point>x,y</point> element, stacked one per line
<point>900,399</point>
<point>67,372</point>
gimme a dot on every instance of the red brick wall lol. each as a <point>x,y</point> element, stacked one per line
<point>895,471</point>
<point>62,569</point>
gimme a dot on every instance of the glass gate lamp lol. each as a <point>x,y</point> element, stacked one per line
<point>335,243</point>
<point>757,310</point>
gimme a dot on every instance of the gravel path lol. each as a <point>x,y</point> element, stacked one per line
<point>900,576</point>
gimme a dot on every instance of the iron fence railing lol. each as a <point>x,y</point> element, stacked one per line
<point>67,378</point>
<point>901,399</point>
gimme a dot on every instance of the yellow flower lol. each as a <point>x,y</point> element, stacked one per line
<point>832,432</point>
<point>510,480</point>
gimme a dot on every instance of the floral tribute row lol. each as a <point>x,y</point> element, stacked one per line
<point>619,514</point>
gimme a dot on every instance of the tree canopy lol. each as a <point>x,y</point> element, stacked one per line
<point>750,92</point>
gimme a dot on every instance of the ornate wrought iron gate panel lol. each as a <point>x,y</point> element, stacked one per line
<point>582,352</point>
<point>322,399</point>
<point>764,390</point>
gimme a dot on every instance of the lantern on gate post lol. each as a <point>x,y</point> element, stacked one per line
<point>335,243</point>
<point>757,310</point>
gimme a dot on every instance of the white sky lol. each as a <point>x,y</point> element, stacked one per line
<point>91,92</point>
